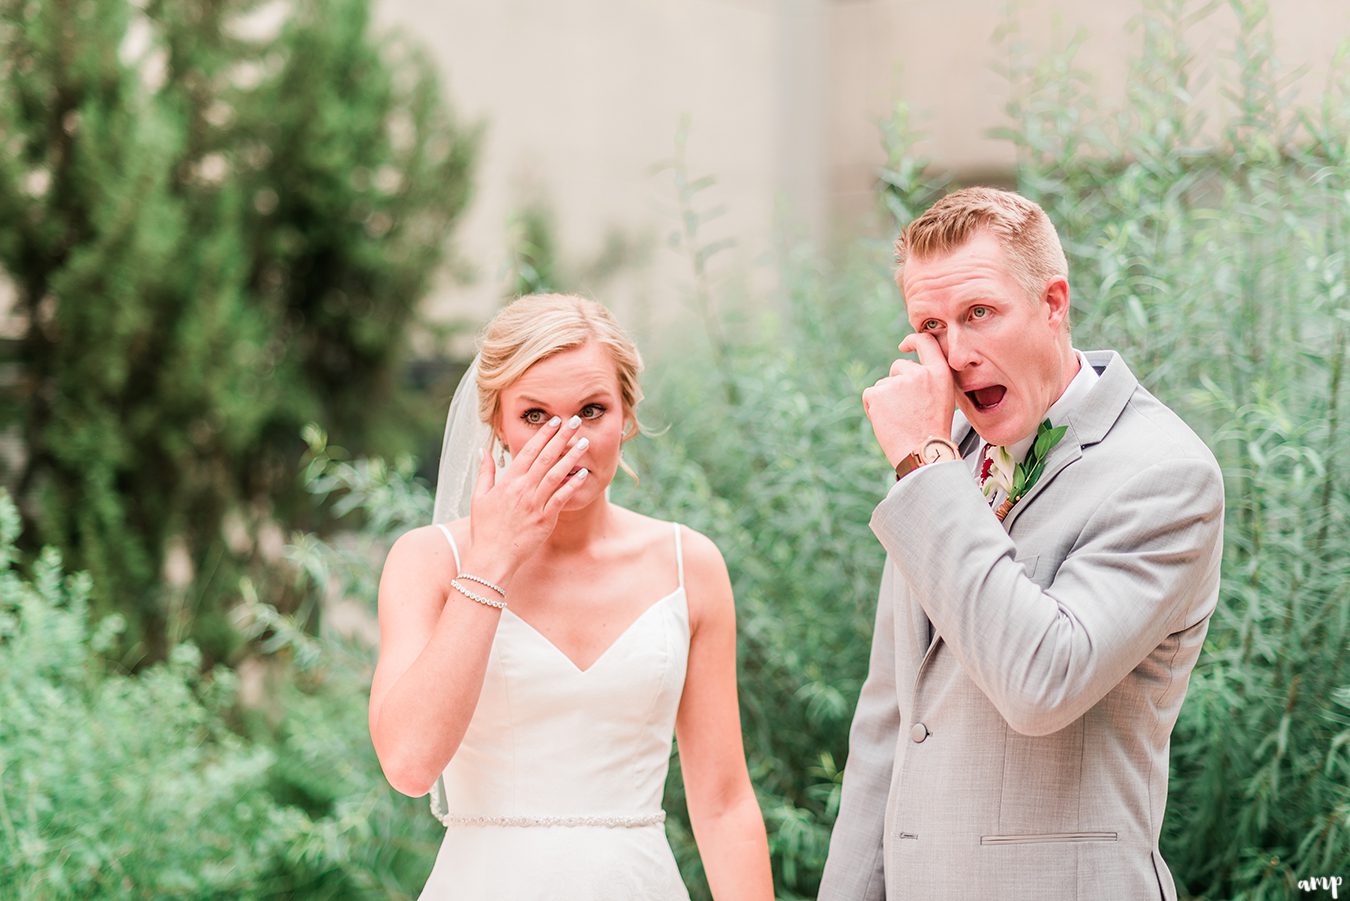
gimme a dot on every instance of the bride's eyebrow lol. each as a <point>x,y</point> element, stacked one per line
<point>593,395</point>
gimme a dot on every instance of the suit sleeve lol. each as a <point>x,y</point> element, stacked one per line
<point>854,867</point>
<point>1145,565</point>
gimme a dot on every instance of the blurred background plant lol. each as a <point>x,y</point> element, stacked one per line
<point>220,218</point>
<point>161,784</point>
<point>1211,254</point>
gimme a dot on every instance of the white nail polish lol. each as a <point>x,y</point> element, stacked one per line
<point>553,422</point>
<point>574,422</point>
<point>581,474</point>
<point>583,443</point>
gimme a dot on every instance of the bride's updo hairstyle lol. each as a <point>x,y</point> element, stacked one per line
<point>538,326</point>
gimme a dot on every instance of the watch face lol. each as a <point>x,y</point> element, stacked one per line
<point>936,449</point>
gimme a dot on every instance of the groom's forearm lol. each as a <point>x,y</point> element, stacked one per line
<point>1045,655</point>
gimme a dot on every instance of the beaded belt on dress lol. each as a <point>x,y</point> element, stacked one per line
<point>616,822</point>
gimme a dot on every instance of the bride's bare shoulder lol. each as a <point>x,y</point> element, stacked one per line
<point>706,579</point>
<point>702,559</point>
<point>425,547</point>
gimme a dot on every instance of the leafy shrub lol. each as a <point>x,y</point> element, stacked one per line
<point>777,465</point>
<point>112,785</point>
<point>150,786</point>
<point>216,230</point>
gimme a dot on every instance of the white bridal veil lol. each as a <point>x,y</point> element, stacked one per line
<point>466,436</point>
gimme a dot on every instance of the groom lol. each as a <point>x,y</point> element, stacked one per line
<point>1046,592</point>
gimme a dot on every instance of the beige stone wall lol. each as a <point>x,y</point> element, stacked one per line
<point>582,98</point>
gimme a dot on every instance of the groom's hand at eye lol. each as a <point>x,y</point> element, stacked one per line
<point>914,402</point>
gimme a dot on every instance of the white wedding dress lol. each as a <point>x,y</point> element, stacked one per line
<point>555,791</point>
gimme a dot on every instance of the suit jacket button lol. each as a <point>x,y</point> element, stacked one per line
<point>919,732</point>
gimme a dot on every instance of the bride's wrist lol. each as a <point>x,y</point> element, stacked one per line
<point>489,572</point>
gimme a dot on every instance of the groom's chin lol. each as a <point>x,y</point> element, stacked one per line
<point>993,426</point>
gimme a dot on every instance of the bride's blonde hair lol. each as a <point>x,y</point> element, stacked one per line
<point>538,326</point>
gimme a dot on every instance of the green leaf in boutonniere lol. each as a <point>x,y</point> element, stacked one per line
<point>1030,469</point>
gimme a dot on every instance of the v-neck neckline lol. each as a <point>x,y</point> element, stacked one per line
<point>603,654</point>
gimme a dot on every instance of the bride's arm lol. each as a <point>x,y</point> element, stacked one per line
<point>434,640</point>
<point>434,646</point>
<point>723,810</point>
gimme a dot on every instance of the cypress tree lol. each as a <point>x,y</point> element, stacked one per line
<point>218,219</point>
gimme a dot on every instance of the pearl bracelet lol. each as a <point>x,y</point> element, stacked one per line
<point>487,602</point>
<point>481,581</point>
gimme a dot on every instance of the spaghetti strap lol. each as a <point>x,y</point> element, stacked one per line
<point>679,555</point>
<point>454,548</point>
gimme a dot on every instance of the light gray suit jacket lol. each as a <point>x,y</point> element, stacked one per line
<point>1022,752</point>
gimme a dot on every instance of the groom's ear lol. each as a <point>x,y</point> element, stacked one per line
<point>1056,299</point>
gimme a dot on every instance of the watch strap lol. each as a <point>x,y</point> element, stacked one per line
<point>932,450</point>
<point>908,464</point>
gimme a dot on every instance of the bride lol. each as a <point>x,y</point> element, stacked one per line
<point>536,654</point>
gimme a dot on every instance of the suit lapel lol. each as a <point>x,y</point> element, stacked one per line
<point>1064,453</point>
<point>1088,423</point>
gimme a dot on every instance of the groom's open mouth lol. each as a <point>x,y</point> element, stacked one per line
<point>987,398</point>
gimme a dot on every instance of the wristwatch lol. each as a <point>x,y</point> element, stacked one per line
<point>933,450</point>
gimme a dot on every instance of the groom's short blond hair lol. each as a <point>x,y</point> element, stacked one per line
<point>1027,236</point>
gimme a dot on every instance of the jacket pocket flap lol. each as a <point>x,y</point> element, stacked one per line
<point>1036,838</point>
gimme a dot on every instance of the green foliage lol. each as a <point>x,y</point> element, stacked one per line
<point>218,229</point>
<point>1028,472</point>
<point>694,211</point>
<point>121,786</point>
<point>536,266</point>
<point>779,468</point>
<point>114,786</point>
<point>534,252</point>
<point>379,501</point>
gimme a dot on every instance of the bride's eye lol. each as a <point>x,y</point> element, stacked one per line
<point>534,416</point>
<point>592,411</point>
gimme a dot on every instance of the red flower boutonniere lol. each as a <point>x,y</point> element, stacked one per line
<point>1029,470</point>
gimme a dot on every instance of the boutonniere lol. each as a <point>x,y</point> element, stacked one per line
<point>998,471</point>
<point>1029,470</point>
